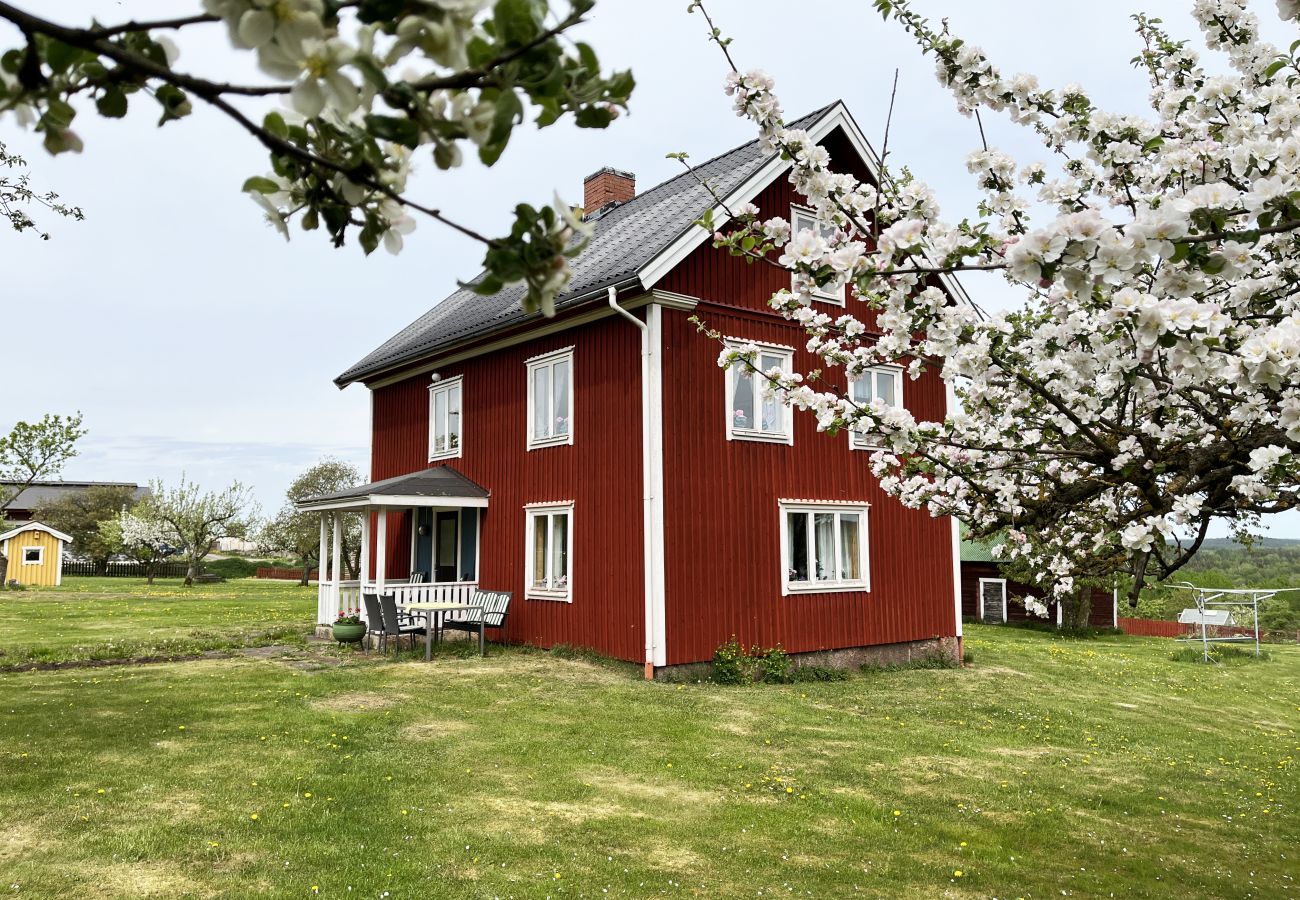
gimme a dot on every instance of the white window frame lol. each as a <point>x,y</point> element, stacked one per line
<point>786,434</point>
<point>532,512</point>
<point>860,509</point>
<point>980,596</point>
<point>40,556</point>
<point>857,439</point>
<point>835,297</point>
<point>446,386</point>
<point>549,361</point>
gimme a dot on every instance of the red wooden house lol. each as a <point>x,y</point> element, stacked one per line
<point>635,498</point>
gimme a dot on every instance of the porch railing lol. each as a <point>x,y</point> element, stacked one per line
<point>347,595</point>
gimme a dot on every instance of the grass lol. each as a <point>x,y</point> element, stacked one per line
<point>124,618</point>
<point>1050,767</point>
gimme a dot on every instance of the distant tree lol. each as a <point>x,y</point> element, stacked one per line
<point>17,196</point>
<point>80,515</point>
<point>33,451</point>
<point>199,519</point>
<point>145,537</point>
<point>298,533</point>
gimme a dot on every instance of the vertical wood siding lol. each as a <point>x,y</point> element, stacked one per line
<point>47,573</point>
<point>600,473</point>
<point>723,553</point>
<point>1101,614</point>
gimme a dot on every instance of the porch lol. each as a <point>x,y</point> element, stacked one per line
<point>416,536</point>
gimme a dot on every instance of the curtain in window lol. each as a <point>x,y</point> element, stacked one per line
<point>824,537</point>
<point>560,550</point>
<point>541,402</point>
<point>453,418</point>
<point>560,373</point>
<point>742,402</point>
<point>439,421</point>
<point>539,551</point>
<point>850,551</point>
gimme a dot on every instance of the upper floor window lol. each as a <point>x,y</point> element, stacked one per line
<point>444,419</point>
<point>883,383</point>
<point>751,416</point>
<point>823,547</point>
<point>550,399</point>
<point>801,219</point>
<point>549,537</point>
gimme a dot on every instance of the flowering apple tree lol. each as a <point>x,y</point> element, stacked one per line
<point>146,537</point>
<point>1149,383</point>
<point>368,85</point>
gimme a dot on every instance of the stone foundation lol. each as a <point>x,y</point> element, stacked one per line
<point>849,658</point>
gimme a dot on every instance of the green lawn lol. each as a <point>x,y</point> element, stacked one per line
<point>116,618</point>
<point>1048,767</point>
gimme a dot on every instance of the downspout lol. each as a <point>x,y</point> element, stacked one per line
<point>647,491</point>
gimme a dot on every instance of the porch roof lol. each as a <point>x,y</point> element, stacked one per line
<point>438,486</point>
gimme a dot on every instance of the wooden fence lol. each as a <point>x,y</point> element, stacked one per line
<point>285,574</point>
<point>1161,628</point>
<point>124,569</point>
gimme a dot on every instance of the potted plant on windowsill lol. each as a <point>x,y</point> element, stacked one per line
<point>348,627</point>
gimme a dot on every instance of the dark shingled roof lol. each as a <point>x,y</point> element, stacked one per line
<point>41,492</point>
<point>440,481</point>
<point>626,238</point>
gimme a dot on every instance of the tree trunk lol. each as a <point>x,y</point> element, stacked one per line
<point>100,564</point>
<point>148,570</point>
<point>190,571</point>
<point>306,571</point>
<point>1076,610</point>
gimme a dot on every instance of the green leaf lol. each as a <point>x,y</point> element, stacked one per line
<point>274,123</point>
<point>12,61</point>
<point>174,101</point>
<point>59,114</point>
<point>1276,67</point>
<point>398,129</point>
<point>508,110</point>
<point>59,56</point>
<point>112,103</point>
<point>258,184</point>
<point>593,117</point>
<point>516,22</point>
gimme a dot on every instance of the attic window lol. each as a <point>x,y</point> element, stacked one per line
<point>33,556</point>
<point>804,219</point>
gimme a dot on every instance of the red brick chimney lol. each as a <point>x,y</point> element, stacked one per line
<point>607,186</point>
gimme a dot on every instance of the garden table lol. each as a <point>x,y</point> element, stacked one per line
<point>430,608</point>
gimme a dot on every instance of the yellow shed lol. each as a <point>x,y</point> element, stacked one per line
<point>35,554</point>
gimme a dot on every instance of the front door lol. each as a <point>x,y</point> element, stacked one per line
<point>445,535</point>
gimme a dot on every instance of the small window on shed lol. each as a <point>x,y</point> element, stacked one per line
<point>33,556</point>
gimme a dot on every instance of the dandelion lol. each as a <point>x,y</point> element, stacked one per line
<point>898,812</point>
<point>253,817</point>
<point>956,873</point>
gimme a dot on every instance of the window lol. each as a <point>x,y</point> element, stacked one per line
<point>801,219</point>
<point>883,383</point>
<point>444,419</point>
<point>993,600</point>
<point>33,556</point>
<point>550,399</point>
<point>824,548</point>
<point>750,415</point>
<point>549,537</point>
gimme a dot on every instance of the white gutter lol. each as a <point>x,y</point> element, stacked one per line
<point>648,425</point>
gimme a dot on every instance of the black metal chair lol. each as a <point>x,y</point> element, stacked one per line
<point>393,623</point>
<point>374,621</point>
<point>496,606</point>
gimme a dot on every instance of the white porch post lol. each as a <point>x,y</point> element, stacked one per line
<point>381,550</point>
<point>364,574</point>
<point>322,590</point>
<point>336,569</point>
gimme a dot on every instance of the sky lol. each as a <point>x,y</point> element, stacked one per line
<point>194,340</point>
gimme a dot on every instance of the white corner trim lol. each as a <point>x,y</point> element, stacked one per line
<point>956,574</point>
<point>655,428</point>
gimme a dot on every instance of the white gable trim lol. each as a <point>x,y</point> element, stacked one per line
<point>36,526</point>
<point>836,117</point>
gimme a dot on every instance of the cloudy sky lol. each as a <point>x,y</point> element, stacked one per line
<point>194,339</point>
